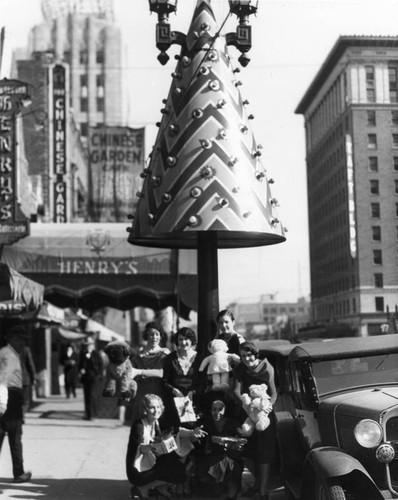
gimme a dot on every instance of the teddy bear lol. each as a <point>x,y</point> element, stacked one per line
<point>120,372</point>
<point>218,364</point>
<point>257,406</point>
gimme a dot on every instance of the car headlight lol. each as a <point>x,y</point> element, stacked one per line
<point>368,433</point>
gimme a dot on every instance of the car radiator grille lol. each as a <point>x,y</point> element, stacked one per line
<point>392,437</point>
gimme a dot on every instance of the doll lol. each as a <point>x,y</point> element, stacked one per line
<point>218,364</point>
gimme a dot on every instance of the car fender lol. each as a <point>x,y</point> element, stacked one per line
<point>329,461</point>
<point>292,451</point>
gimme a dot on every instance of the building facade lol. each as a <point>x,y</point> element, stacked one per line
<point>73,64</point>
<point>84,36</point>
<point>270,319</point>
<point>351,126</point>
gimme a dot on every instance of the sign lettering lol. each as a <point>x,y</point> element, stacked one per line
<point>59,144</point>
<point>116,161</point>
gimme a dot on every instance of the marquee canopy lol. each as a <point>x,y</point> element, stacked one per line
<point>91,265</point>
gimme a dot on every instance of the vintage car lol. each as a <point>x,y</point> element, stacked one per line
<point>337,419</point>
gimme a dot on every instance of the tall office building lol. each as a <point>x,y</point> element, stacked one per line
<point>83,35</point>
<point>73,63</point>
<point>351,126</point>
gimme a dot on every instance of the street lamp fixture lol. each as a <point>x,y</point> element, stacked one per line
<point>243,7</point>
<point>163,8</point>
<point>242,39</point>
<point>164,36</point>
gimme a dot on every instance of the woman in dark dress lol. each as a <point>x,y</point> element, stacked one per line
<point>181,374</point>
<point>226,328</point>
<point>149,362</point>
<point>261,445</point>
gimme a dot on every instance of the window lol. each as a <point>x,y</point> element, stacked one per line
<point>395,141</point>
<point>83,86</point>
<point>373,163</point>
<point>396,210</point>
<point>375,210</point>
<point>395,163</point>
<point>99,57</point>
<point>370,83</point>
<point>376,233</point>
<point>377,257</point>
<point>371,118</point>
<point>84,129</point>
<point>374,186</point>
<point>84,104</point>
<point>100,85</point>
<point>378,279</point>
<point>83,57</point>
<point>372,141</point>
<point>379,304</point>
<point>100,92</point>
<point>393,83</point>
<point>396,186</point>
<point>394,117</point>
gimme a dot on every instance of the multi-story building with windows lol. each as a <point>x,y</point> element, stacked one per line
<point>73,58</point>
<point>84,36</point>
<point>351,126</point>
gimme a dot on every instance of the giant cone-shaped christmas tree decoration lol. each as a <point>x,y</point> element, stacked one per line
<point>205,173</point>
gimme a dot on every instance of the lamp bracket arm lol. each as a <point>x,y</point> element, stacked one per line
<point>178,38</point>
<point>232,39</point>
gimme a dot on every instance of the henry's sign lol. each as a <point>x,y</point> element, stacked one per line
<point>14,225</point>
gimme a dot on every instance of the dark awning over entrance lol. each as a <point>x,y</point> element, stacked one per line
<point>91,265</point>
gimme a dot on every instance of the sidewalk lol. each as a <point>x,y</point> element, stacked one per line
<point>71,458</point>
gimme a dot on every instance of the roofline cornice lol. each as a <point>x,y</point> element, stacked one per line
<point>343,43</point>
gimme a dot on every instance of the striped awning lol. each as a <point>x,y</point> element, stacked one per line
<point>18,294</point>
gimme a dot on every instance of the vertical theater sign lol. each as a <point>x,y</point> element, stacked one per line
<point>58,113</point>
<point>14,225</point>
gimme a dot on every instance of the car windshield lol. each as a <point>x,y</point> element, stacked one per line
<point>340,374</point>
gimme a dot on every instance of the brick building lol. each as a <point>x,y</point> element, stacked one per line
<point>351,126</point>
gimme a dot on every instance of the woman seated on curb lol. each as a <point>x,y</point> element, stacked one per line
<point>154,456</point>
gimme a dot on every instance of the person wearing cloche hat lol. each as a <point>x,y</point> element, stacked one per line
<point>11,421</point>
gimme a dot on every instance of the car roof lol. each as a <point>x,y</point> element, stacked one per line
<point>275,347</point>
<point>346,347</point>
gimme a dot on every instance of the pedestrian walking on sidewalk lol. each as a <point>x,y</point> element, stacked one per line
<point>11,421</point>
<point>90,368</point>
<point>70,361</point>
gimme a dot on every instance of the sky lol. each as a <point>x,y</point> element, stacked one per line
<point>291,39</point>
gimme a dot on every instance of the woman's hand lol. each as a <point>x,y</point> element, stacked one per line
<point>198,433</point>
<point>146,448</point>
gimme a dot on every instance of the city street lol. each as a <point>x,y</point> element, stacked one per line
<point>72,458</point>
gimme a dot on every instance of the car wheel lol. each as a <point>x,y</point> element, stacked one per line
<point>325,491</point>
